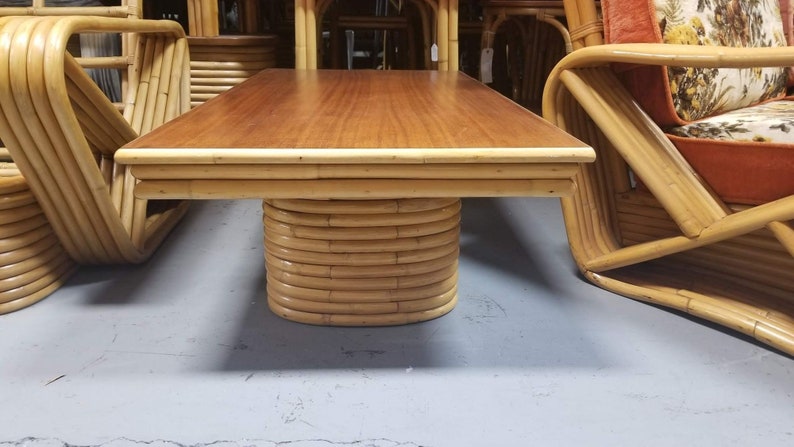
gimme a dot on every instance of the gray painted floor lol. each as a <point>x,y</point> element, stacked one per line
<point>183,351</point>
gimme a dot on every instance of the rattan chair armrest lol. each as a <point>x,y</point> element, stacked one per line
<point>69,25</point>
<point>678,56</point>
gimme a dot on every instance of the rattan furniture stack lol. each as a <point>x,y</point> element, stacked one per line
<point>218,61</point>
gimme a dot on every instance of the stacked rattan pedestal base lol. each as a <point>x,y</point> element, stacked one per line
<point>33,263</point>
<point>361,262</point>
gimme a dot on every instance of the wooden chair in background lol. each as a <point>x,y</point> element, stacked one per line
<point>536,39</point>
<point>382,33</point>
<point>691,222</point>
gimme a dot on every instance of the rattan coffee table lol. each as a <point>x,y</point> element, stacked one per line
<point>361,173</point>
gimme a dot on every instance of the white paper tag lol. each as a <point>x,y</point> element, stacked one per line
<point>434,53</point>
<point>486,65</point>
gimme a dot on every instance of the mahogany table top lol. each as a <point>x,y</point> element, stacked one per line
<point>336,109</point>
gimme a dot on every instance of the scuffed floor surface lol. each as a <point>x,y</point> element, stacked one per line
<point>182,351</point>
<point>123,442</point>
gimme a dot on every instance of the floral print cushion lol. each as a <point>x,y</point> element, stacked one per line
<point>771,122</point>
<point>688,94</point>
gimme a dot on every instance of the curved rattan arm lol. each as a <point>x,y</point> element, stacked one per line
<point>678,56</point>
<point>69,25</point>
<point>586,75</point>
<point>673,55</point>
<point>703,218</point>
<point>103,11</point>
<point>62,131</point>
<point>91,23</point>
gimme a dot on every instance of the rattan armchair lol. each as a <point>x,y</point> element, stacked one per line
<point>61,131</point>
<point>33,263</point>
<point>646,222</point>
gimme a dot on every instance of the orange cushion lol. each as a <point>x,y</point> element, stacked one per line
<point>739,171</point>
<point>747,155</point>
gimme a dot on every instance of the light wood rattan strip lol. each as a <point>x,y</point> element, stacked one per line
<point>372,280</point>
<point>354,234</point>
<point>362,309</point>
<point>359,246</point>
<point>367,296</point>
<point>347,277</point>
<point>387,319</point>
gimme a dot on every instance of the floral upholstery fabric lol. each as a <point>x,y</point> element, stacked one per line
<point>771,122</point>
<point>787,15</point>
<point>688,94</point>
<point>706,91</point>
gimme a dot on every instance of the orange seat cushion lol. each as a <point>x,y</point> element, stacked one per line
<point>745,173</point>
<point>746,156</point>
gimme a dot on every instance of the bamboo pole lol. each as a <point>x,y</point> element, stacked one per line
<point>442,18</point>
<point>301,49</point>
<point>374,171</point>
<point>452,36</point>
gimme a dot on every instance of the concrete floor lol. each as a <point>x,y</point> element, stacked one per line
<point>183,351</point>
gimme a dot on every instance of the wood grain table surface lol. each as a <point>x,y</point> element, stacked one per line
<point>286,125</point>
